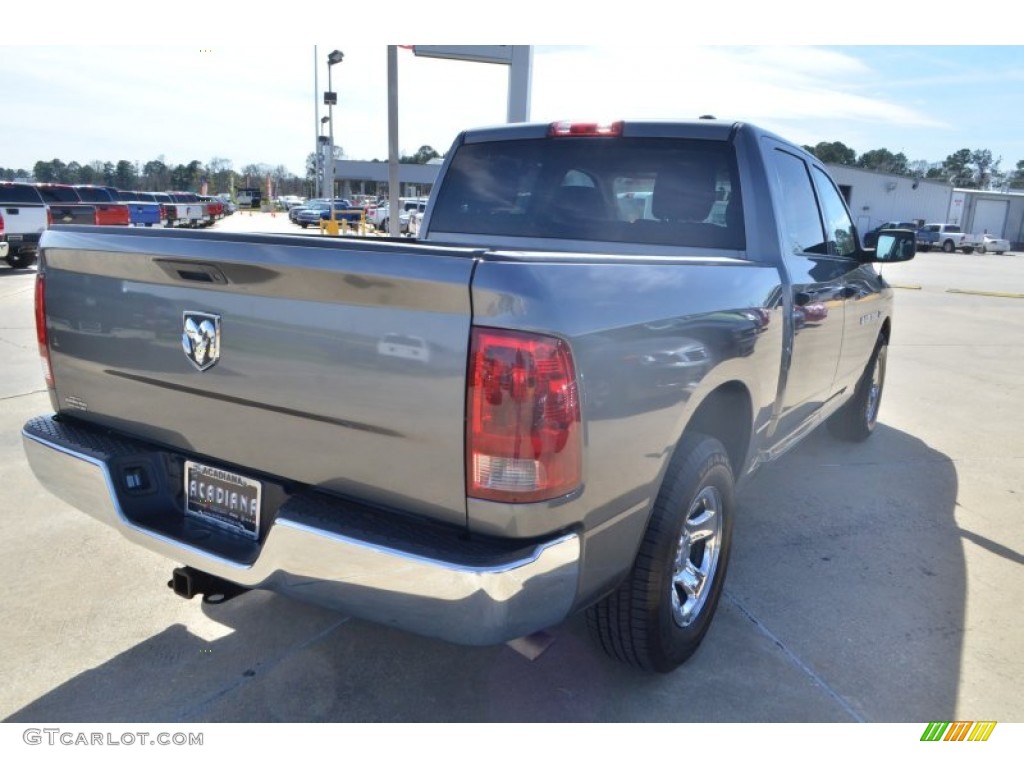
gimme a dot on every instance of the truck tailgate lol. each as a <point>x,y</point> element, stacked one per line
<point>341,364</point>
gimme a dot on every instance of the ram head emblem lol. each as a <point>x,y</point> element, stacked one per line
<point>201,339</point>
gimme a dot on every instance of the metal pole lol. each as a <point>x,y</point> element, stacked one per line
<point>316,135</point>
<point>393,212</point>
<point>330,122</point>
<point>519,76</point>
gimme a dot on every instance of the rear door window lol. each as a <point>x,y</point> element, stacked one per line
<point>838,225</point>
<point>800,219</point>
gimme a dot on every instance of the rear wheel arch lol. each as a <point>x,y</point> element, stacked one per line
<point>886,329</point>
<point>726,414</point>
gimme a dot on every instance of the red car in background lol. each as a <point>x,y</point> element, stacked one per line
<point>216,206</point>
<point>110,211</point>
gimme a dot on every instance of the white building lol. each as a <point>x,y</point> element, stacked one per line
<point>875,197</point>
<point>997,213</point>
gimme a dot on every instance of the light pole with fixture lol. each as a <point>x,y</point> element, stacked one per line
<point>321,157</point>
<point>330,99</point>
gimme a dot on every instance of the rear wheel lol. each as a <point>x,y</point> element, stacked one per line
<point>981,249</point>
<point>658,616</point>
<point>857,419</point>
<point>21,260</point>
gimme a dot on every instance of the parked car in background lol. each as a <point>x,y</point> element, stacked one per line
<point>214,205</point>
<point>309,213</point>
<point>991,244</point>
<point>290,201</point>
<point>110,211</point>
<point>168,208</point>
<point>190,210</point>
<point>293,213</point>
<point>25,216</point>
<point>948,237</point>
<point>871,236</point>
<point>320,210</point>
<point>230,206</point>
<point>380,215</point>
<point>143,209</point>
<point>66,207</point>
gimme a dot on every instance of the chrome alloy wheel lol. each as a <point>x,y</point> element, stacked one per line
<point>696,557</point>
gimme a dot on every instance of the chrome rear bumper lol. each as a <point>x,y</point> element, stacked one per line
<point>415,576</point>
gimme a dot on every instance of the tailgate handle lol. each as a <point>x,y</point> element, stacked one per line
<point>193,272</point>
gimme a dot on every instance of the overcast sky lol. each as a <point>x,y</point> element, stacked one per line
<point>257,104</point>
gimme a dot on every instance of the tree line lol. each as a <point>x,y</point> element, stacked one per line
<point>966,168</point>
<point>158,175</point>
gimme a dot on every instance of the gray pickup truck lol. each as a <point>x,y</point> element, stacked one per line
<point>541,407</point>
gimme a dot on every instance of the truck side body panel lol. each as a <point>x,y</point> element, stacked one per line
<point>651,342</point>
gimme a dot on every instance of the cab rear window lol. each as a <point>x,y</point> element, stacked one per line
<point>19,193</point>
<point>655,191</point>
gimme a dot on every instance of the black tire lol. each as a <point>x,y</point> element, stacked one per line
<point>303,224</point>
<point>21,260</point>
<point>981,249</point>
<point>947,247</point>
<point>924,248</point>
<point>968,249</point>
<point>857,419</point>
<point>658,616</point>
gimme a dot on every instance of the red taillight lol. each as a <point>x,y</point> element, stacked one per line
<point>1,224</point>
<point>568,128</point>
<point>523,437</point>
<point>41,335</point>
<point>49,217</point>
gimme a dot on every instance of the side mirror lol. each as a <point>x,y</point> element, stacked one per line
<point>894,245</point>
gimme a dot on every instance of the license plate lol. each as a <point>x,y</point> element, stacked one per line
<point>223,498</point>
<point>14,238</point>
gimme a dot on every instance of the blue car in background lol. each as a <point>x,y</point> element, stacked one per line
<point>316,211</point>
<point>143,207</point>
